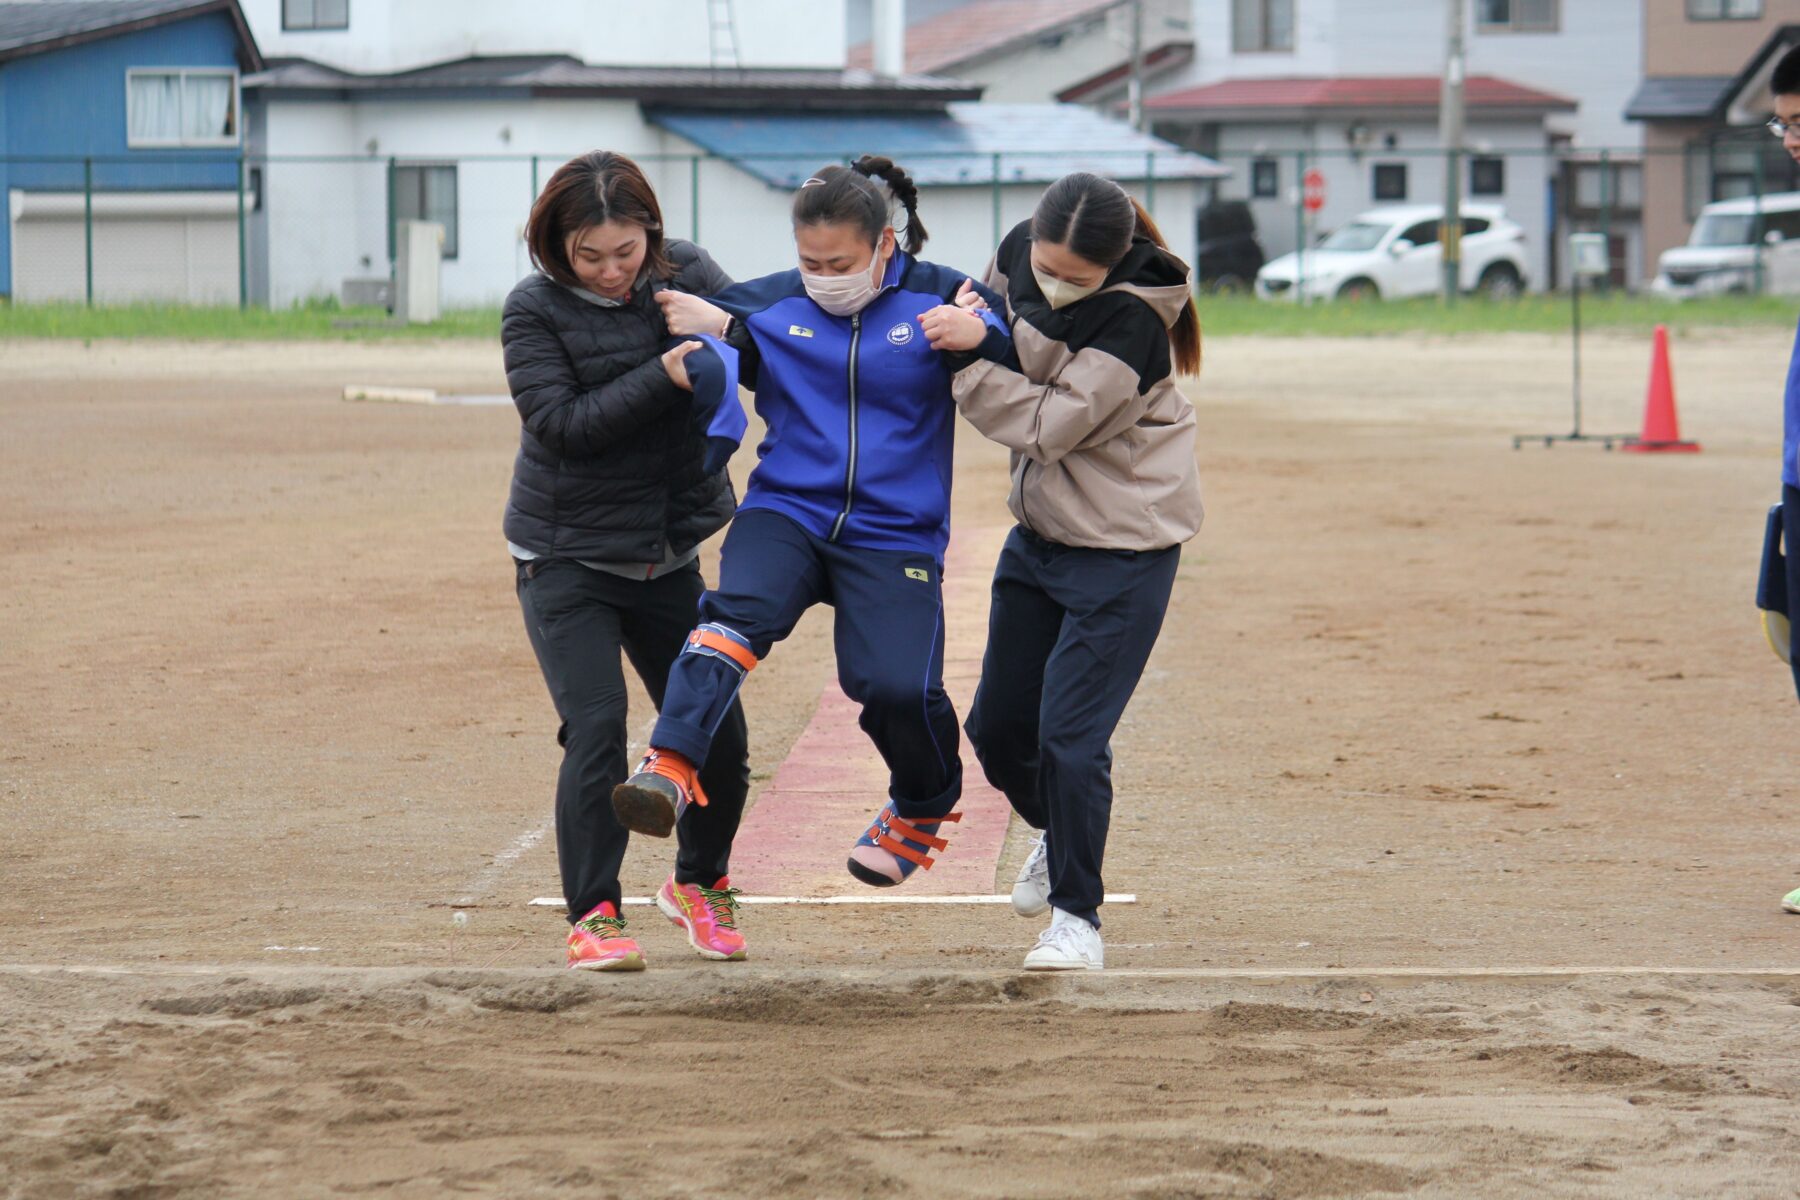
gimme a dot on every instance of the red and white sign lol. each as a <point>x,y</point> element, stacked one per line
<point>1312,186</point>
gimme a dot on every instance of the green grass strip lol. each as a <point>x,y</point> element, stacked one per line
<point>1223,316</point>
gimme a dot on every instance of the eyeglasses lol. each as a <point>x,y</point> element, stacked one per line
<point>1780,128</point>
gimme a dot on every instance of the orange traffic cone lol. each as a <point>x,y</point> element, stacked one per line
<point>1662,432</point>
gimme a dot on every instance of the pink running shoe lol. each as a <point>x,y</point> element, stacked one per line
<point>597,942</point>
<point>708,914</point>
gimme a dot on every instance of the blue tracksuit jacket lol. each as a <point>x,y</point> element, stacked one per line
<point>859,413</point>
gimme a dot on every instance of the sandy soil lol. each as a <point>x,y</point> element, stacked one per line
<point>1422,702</point>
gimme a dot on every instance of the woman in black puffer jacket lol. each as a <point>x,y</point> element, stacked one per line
<point>608,508</point>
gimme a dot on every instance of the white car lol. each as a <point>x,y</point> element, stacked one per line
<point>1388,253</point>
<point>1722,253</point>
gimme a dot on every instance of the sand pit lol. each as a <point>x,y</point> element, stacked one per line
<point>1423,702</point>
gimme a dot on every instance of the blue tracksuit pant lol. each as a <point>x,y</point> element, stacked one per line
<point>1790,521</point>
<point>1069,633</point>
<point>889,632</point>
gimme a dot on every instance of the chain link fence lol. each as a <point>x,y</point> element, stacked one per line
<point>1283,223</point>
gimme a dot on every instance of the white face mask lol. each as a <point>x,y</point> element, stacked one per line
<point>845,295</point>
<point>1061,293</point>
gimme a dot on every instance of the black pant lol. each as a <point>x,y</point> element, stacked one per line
<point>1790,524</point>
<point>578,620</point>
<point>889,634</point>
<point>1069,634</point>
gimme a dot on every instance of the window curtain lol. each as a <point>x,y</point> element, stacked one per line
<point>155,108</point>
<point>206,109</point>
<point>1246,24</point>
<point>1281,25</point>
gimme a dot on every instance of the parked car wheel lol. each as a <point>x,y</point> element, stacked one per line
<point>1229,285</point>
<point>1359,289</point>
<point>1500,282</point>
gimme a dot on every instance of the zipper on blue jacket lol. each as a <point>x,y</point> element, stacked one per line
<point>837,526</point>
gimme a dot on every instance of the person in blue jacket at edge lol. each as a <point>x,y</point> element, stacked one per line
<point>1779,592</point>
<point>849,504</point>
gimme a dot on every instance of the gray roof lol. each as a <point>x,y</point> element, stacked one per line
<point>561,75</point>
<point>965,145</point>
<point>1679,98</point>
<point>42,25</point>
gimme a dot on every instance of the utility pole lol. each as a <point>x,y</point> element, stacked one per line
<point>1450,133</point>
<point>1135,90</point>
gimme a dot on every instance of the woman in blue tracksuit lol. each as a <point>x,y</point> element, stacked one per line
<point>848,506</point>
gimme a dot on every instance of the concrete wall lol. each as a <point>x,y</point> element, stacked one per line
<point>71,103</point>
<point>393,35</point>
<point>1666,221</point>
<point>328,220</point>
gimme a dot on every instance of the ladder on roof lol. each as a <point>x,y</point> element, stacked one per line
<point>722,43</point>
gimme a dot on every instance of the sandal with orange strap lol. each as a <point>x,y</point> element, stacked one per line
<point>894,847</point>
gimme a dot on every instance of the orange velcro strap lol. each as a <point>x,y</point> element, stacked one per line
<point>907,831</point>
<point>902,850</point>
<point>724,645</point>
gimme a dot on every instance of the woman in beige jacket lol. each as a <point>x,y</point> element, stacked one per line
<point>1105,490</point>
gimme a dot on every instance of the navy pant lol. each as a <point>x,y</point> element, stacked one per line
<point>579,620</point>
<point>1069,633</point>
<point>889,632</point>
<point>1790,523</point>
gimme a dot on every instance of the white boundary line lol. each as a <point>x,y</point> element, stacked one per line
<point>527,841</point>
<point>853,974</point>
<point>977,898</point>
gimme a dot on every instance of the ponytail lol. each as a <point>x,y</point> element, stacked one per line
<point>1096,220</point>
<point>849,196</point>
<point>1184,335</point>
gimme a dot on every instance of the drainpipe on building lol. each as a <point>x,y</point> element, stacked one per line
<point>890,38</point>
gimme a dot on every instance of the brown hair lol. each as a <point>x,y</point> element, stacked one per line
<point>850,196</point>
<point>597,187</point>
<point>1097,220</point>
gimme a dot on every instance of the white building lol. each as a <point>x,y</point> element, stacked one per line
<point>379,36</point>
<point>1354,83</point>
<point>1037,51</point>
<point>390,117</point>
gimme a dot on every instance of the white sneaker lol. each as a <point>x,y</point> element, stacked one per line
<point>1070,944</point>
<point>1031,892</point>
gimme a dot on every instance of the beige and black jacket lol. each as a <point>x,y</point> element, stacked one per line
<point>1102,440</point>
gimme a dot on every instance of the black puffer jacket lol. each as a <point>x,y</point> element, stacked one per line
<point>609,461</point>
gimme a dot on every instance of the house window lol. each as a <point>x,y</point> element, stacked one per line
<point>1265,178</point>
<point>1518,16</point>
<point>1724,10</point>
<point>1487,176</point>
<point>1261,25</point>
<point>1618,187</point>
<point>1390,181</point>
<point>427,192</point>
<point>300,15</point>
<point>181,108</point>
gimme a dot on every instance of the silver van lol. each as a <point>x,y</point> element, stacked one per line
<point>1732,242</point>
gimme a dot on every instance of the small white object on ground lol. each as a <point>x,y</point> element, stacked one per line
<point>390,395</point>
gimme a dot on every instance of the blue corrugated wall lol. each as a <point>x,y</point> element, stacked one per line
<point>71,103</point>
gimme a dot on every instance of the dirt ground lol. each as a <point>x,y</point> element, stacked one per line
<point>1459,798</point>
